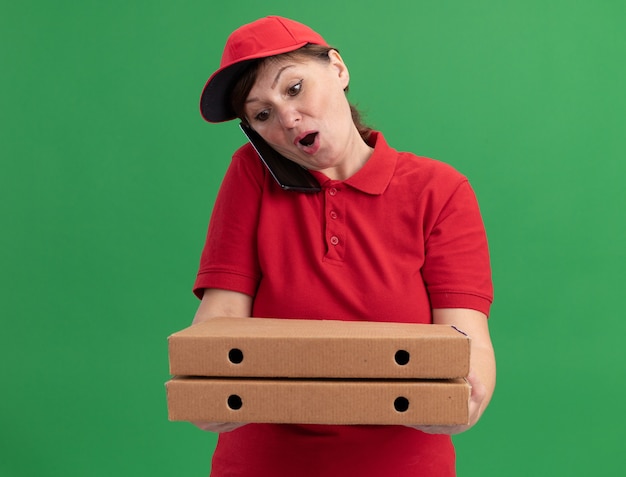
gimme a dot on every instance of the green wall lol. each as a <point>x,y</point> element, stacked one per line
<point>108,176</point>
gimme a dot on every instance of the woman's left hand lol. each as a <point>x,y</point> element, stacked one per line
<point>482,375</point>
<point>476,401</point>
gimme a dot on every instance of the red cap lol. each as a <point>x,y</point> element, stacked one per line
<point>265,37</point>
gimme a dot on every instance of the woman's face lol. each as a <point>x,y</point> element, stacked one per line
<point>299,107</point>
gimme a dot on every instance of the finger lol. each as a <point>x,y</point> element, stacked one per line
<point>448,430</point>
<point>217,426</point>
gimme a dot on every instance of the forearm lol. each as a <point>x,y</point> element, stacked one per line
<point>482,377</point>
<point>483,365</point>
<point>474,324</point>
<point>216,302</point>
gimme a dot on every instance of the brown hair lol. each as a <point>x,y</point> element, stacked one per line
<point>243,85</point>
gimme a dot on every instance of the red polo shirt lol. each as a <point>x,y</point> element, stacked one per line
<point>400,237</point>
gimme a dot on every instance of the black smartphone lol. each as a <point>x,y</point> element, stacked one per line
<point>288,174</point>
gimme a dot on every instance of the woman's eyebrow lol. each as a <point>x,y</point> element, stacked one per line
<point>276,78</point>
<point>280,72</point>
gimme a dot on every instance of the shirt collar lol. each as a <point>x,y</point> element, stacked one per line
<point>374,177</point>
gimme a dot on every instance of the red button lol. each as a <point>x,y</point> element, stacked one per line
<point>334,240</point>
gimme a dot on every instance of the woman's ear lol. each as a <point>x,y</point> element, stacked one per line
<point>338,64</point>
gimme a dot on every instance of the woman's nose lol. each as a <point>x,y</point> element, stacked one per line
<point>288,117</point>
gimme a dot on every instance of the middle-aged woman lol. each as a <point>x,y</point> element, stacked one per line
<point>389,236</point>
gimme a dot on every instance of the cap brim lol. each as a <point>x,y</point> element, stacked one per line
<point>215,99</point>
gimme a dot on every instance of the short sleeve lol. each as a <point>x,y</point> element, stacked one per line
<point>229,258</point>
<point>457,270</point>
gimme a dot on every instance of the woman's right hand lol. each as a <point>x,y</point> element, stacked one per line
<point>216,302</point>
<point>217,426</point>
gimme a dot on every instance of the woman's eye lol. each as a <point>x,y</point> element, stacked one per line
<point>295,89</point>
<point>263,115</point>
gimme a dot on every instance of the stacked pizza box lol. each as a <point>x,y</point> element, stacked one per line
<point>266,370</point>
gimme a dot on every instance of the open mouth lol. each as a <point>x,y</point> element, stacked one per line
<point>308,140</point>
